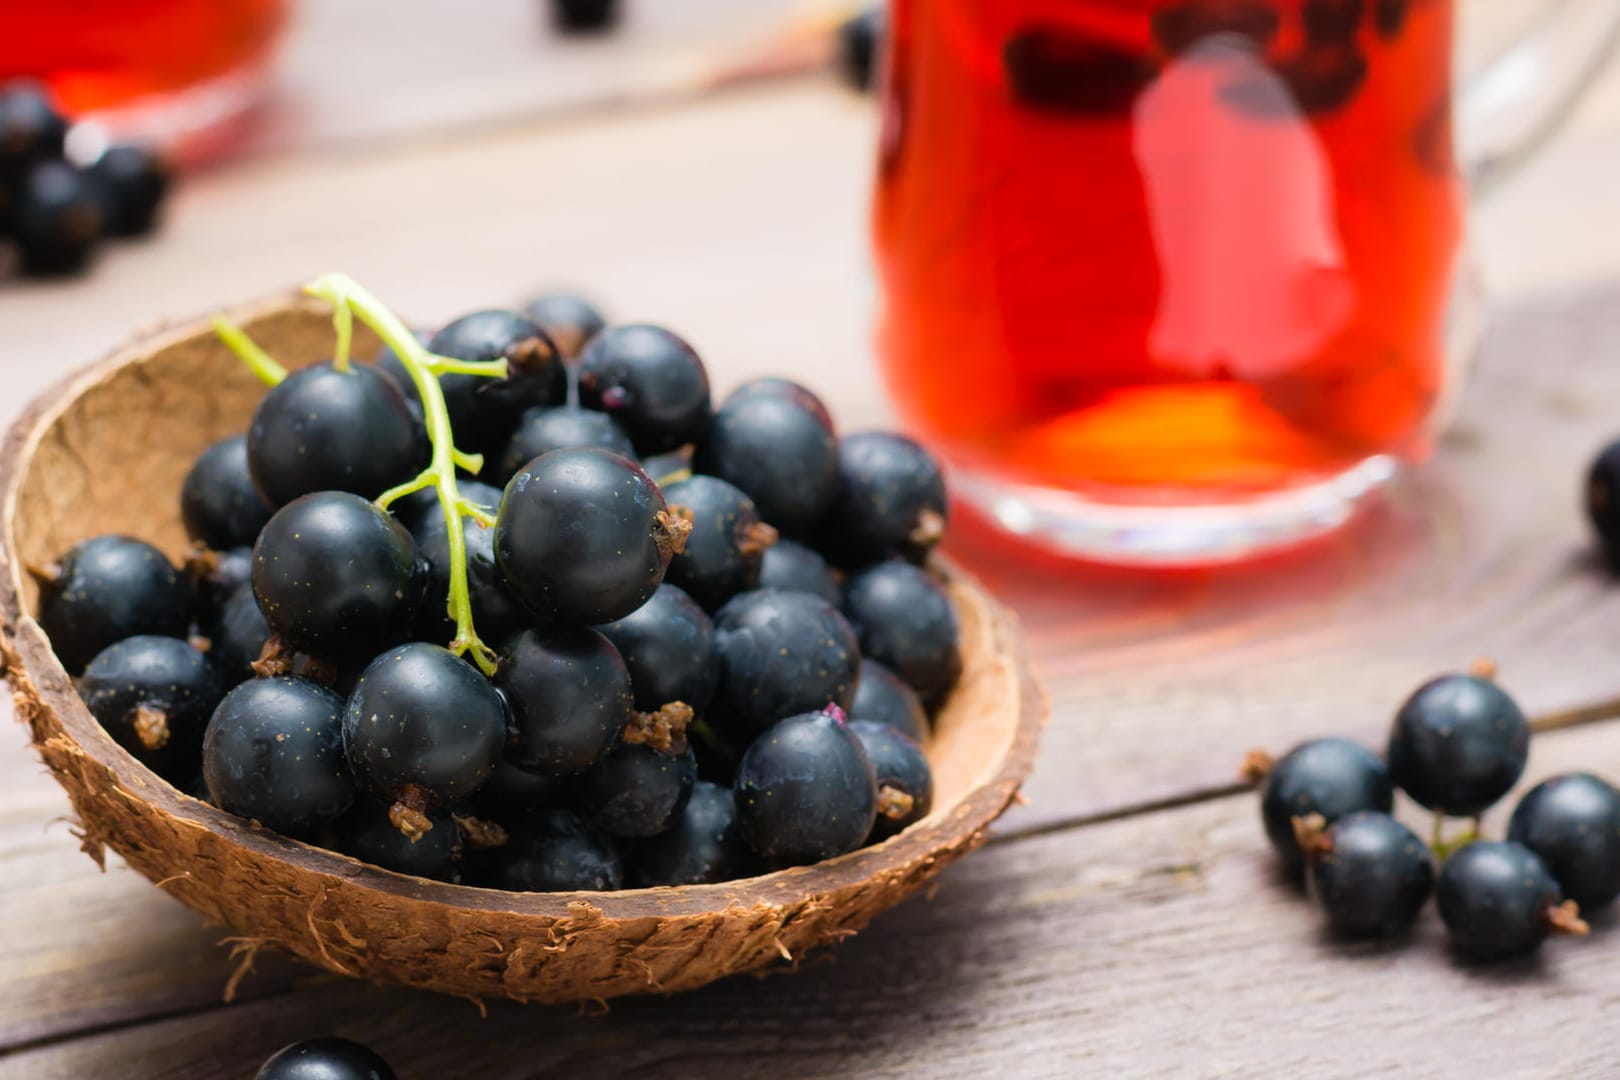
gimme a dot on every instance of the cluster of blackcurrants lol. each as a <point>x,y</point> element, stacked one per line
<point>1458,745</point>
<point>54,212</point>
<point>691,603</point>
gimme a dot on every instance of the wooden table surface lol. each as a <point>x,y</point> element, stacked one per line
<point>1127,920</point>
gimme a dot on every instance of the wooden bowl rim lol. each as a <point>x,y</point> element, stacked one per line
<point>938,833</point>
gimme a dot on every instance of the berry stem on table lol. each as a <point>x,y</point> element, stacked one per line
<point>256,359</point>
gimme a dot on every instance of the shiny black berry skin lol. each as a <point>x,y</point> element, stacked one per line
<point>650,381</point>
<point>367,833</point>
<point>106,589</point>
<point>569,695</point>
<point>1573,823</point>
<point>702,846</point>
<point>555,851</point>
<point>219,505</point>
<point>496,613</point>
<point>569,319</point>
<point>727,543</point>
<point>781,654</point>
<point>579,537</point>
<point>414,509</point>
<point>1603,499</point>
<point>882,698</point>
<point>779,451</point>
<point>788,390</point>
<point>635,791</point>
<point>322,429</point>
<point>891,500</point>
<point>325,1059</point>
<point>788,564</point>
<point>805,791</point>
<point>217,575</point>
<point>1373,876</point>
<point>860,42</point>
<point>56,219</point>
<point>335,576</point>
<point>905,622</point>
<point>147,675</point>
<point>131,182</point>
<point>1494,897</point>
<point>273,752</point>
<point>423,724</point>
<point>670,467</point>
<point>898,763</point>
<point>510,793</point>
<point>238,635</point>
<point>30,127</point>
<point>668,647</point>
<point>1458,744</point>
<point>542,430</point>
<point>1330,777</point>
<point>483,411</point>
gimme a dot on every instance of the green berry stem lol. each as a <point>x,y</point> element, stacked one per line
<point>256,359</point>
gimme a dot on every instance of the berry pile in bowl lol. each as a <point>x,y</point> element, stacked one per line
<point>498,660</point>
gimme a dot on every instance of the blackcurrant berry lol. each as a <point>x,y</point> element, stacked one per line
<point>584,16</point>
<point>510,793</point>
<point>56,219</point>
<point>219,505</point>
<point>30,127</point>
<point>238,636</point>
<point>1603,499</point>
<point>216,575</point>
<point>569,694</point>
<point>635,790</point>
<point>1371,874</point>
<point>882,698</point>
<point>701,847</point>
<point>584,536</point>
<point>781,654</point>
<point>1573,823</point>
<point>905,621</point>
<point>154,695</point>
<point>779,451</point>
<point>335,576</point>
<point>422,728</point>
<point>483,411</point>
<point>1498,901</point>
<point>891,500</point>
<point>414,509</point>
<point>322,429</point>
<point>669,468</point>
<point>788,564</point>
<point>1326,777</point>
<point>368,833</point>
<point>805,790</point>
<point>496,613</point>
<point>723,551</point>
<point>555,851</point>
<point>860,42</point>
<point>273,752</point>
<point>570,320</point>
<point>1458,744</point>
<point>650,381</point>
<point>668,647</point>
<point>108,588</point>
<point>325,1059</point>
<point>905,780</point>
<point>542,430</point>
<point>787,389</point>
<point>131,182</point>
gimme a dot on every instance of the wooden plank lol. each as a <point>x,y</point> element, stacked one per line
<point>1161,946</point>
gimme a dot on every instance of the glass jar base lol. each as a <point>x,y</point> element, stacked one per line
<point>1198,534</point>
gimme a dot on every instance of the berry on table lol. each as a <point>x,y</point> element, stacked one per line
<point>1572,823</point>
<point>542,430</point>
<point>882,698</point>
<point>650,381</point>
<point>905,621</point>
<point>1499,901</point>
<point>569,696</point>
<point>483,411</point>
<point>569,319</point>
<point>334,575</point>
<point>1458,744</point>
<point>131,182</point>
<point>904,779</point>
<point>805,790</point>
<point>668,647</point>
<point>368,833</point>
<point>1371,874</point>
<point>781,654</point>
<point>328,1058</point>
<point>584,536</point>
<point>701,847</point>
<point>555,851</point>
<point>788,564</point>
<point>584,16</point>
<point>773,445</point>
<point>891,500</point>
<point>154,695</point>
<point>56,219</point>
<point>30,127</point>
<point>638,787</point>
<point>860,42</point>
<point>219,504</point>
<point>108,588</point>
<point>273,752</point>
<point>1328,778</point>
<point>422,728</point>
<point>723,552</point>
<point>1603,499</point>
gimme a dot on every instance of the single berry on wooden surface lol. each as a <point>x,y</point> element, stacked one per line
<point>860,43</point>
<point>1371,874</point>
<point>1499,901</point>
<point>131,182</point>
<point>788,564</point>
<point>108,588</point>
<point>805,790</point>
<point>701,847</point>
<point>668,647</point>
<point>776,448</point>
<point>154,695</point>
<point>881,696</point>
<point>723,552</point>
<point>1329,778</point>
<point>650,381</point>
<point>905,621</point>
<point>1458,744</point>
<point>569,695</point>
<point>1573,823</point>
<point>904,779</point>
<point>273,752</point>
<point>328,1058</point>
<point>56,219</point>
<point>1603,499</point>
<point>219,505</point>
<point>781,654</point>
